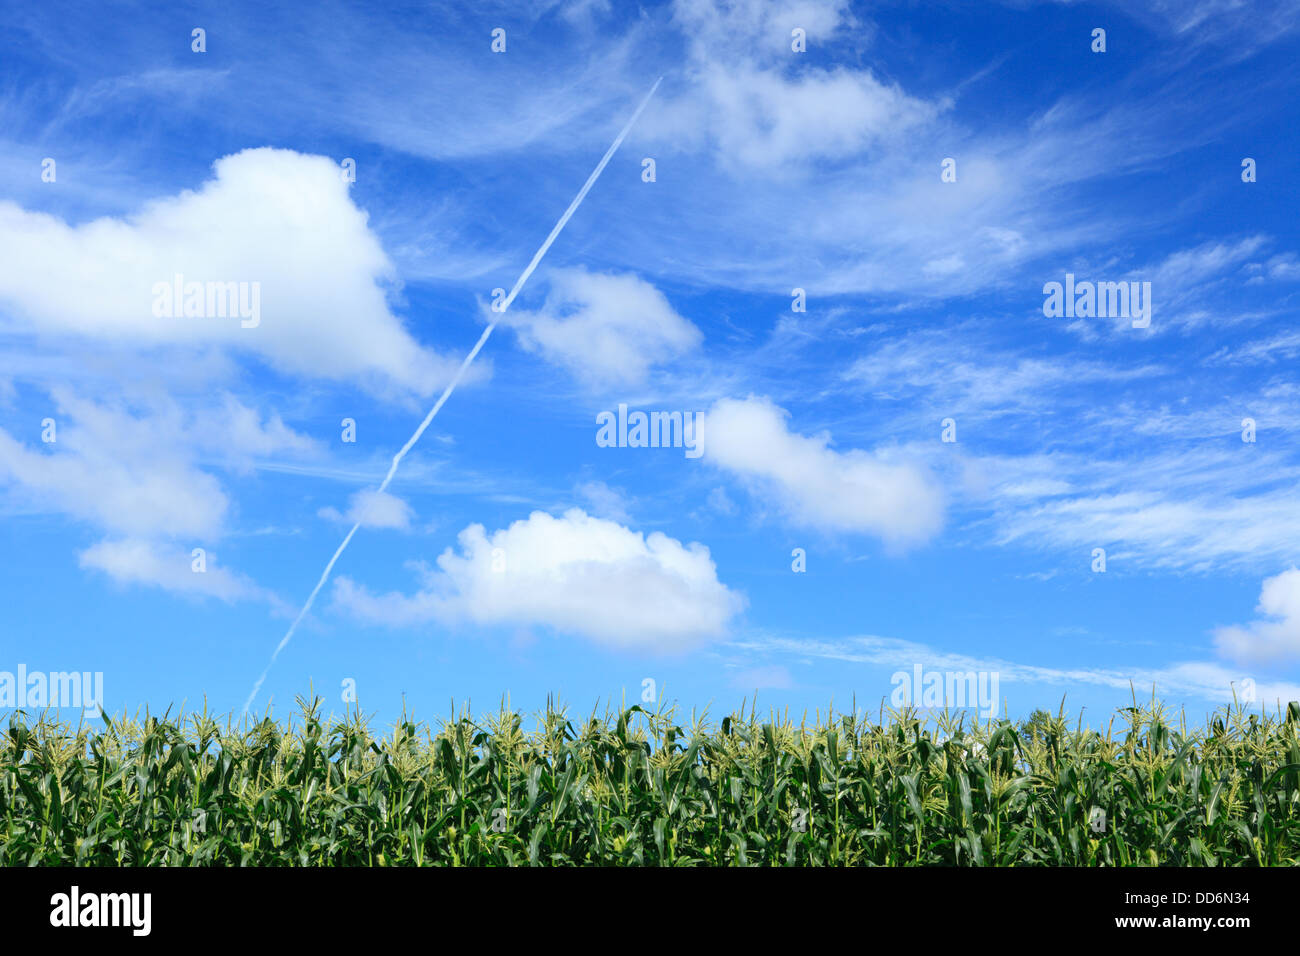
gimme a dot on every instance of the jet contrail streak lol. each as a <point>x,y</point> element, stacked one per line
<point>451,386</point>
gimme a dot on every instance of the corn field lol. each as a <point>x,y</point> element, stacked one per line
<point>636,787</point>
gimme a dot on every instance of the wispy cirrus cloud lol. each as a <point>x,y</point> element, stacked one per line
<point>1201,680</point>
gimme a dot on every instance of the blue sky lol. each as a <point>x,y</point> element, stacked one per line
<point>513,554</point>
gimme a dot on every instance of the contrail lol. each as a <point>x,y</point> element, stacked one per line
<point>451,386</point>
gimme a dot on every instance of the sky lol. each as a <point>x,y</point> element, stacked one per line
<point>239,266</point>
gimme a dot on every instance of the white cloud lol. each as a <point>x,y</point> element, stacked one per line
<point>90,473</point>
<point>1275,639</point>
<point>574,574</point>
<point>373,509</point>
<point>606,329</point>
<point>134,561</point>
<point>817,486</point>
<point>91,484</point>
<point>132,469</point>
<point>763,119</point>
<point>762,112</point>
<point>238,429</point>
<point>275,217</point>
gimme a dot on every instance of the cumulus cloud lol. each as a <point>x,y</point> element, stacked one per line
<point>575,575</point>
<point>373,509</point>
<point>605,329</point>
<point>815,485</point>
<point>1278,636</point>
<point>274,217</point>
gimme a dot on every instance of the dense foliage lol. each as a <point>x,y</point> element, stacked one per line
<point>635,787</point>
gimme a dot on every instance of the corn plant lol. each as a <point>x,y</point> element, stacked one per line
<point>639,786</point>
